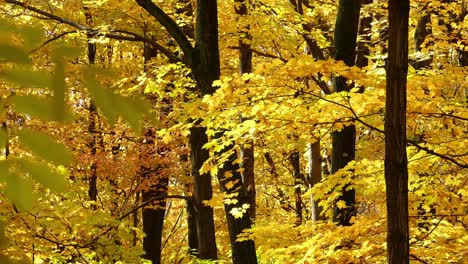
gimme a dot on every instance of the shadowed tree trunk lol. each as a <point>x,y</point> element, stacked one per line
<point>396,163</point>
<point>242,252</point>
<point>154,185</point>
<point>294,159</point>
<point>245,66</point>
<point>344,141</point>
<point>93,120</point>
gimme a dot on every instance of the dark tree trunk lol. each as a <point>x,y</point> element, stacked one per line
<point>396,163</point>
<point>206,68</point>
<point>242,252</point>
<point>154,185</point>
<point>344,141</point>
<point>294,159</point>
<point>202,192</point>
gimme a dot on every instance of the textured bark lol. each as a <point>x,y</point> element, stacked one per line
<point>242,252</point>
<point>202,192</point>
<point>396,163</point>
<point>344,141</point>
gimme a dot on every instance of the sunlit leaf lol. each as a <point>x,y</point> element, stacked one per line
<point>44,146</point>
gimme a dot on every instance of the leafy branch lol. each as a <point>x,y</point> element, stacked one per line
<point>117,34</point>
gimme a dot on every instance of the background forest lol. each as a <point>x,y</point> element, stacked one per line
<point>233,131</point>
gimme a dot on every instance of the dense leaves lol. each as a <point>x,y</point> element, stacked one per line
<point>55,140</point>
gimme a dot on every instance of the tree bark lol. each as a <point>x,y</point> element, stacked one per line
<point>242,252</point>
<point>202,192</point>
<point>344,141</point>
<point>396,163</point>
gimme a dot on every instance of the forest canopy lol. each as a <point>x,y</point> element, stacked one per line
<point>233,131</point>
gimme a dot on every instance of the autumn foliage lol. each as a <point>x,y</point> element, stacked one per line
<point>99,99</point>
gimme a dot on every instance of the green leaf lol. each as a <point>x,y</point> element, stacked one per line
<point>133,111</point>
<point>33,37</point>
<point>26,77</point>
<point>38,107</point>
<point>19,191</point>
<point>45,147</point>
<point>105,100</point>
<point>12,53</point>
<point>66,51</point>
<point>3,136</point>
<point>59,87</point>
<point>42,173</point>
<point>4,170</point>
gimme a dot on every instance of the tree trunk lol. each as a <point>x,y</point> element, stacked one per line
<point>154,185</point>
<point>242,252</point>
<point>344,141</point>
<point>294,159</point>
<point>202,192</point>
<point>314,177</point>
<point>396,163</point>
<point>245,66</point>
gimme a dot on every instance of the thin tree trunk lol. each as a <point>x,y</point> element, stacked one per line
<point>396,163</point>
<point>314,177</point>
<point>154,185</point>
<point>93,119</point>
<point>294,159</point>
<point>344,141</point>
<point>245,66</point>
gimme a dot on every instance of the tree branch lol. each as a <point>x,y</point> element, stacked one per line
<point>169,24</point>
<point>47,14</point>
<point>94,32</point>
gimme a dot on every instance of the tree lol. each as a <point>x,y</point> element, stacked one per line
<point>286,102</point>
<point>396,163</point>
<point>344,141</point>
